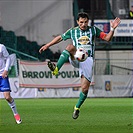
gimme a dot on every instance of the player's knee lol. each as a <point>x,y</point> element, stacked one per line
<point>85,88</point>
<point>71,48</point>
<point>8,98</point>
<point>85,91</point>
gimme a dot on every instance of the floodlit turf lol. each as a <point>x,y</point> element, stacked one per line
<point>98,115</point>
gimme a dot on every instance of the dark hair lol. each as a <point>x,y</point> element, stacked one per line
<point>82,15</point>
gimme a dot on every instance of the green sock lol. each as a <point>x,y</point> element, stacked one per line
<point>82,98</point>
<point>63,59</point>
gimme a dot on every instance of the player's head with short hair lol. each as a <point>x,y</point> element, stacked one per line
<point>82,15</point>
<point>82,20</point>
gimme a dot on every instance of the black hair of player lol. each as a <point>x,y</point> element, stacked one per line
<point>83,15</point>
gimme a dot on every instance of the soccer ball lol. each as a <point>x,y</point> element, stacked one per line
<point>81,54</point>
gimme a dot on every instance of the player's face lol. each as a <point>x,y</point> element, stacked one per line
<point>83,23</point>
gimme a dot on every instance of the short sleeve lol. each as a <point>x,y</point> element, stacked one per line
<point>66,35</point>
<point>5,52</point>
<point>98,31</point>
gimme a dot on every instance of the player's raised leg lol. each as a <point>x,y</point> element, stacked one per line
<point>64,57</point>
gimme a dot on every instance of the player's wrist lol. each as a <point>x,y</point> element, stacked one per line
<point>112,29</point>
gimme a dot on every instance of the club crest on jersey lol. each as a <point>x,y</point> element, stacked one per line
<point>83,40</point>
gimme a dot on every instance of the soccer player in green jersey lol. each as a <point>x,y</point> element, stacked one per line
<point>82,36</point>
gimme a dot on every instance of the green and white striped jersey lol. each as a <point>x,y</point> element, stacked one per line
<point>82,38</point>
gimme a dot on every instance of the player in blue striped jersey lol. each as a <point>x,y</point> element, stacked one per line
<point>81,36</point>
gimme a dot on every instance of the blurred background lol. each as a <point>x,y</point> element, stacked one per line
<point>27,25</point>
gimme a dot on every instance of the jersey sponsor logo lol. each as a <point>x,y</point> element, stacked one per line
<point>83,40</point>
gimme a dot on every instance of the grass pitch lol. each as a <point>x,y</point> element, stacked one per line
<point>98,115</point>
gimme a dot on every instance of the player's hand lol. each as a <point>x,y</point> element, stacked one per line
<point>4,74</point>
<point>43,48</point>
<point>115,22</point>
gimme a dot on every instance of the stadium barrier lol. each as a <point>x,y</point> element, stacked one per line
<point>41,83</point>
<point>104,86</point>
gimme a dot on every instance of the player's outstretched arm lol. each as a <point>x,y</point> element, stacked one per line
<point>53,42</point>
<point>113,25</point>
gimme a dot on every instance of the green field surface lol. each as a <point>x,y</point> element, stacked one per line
<point>97,115</point>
